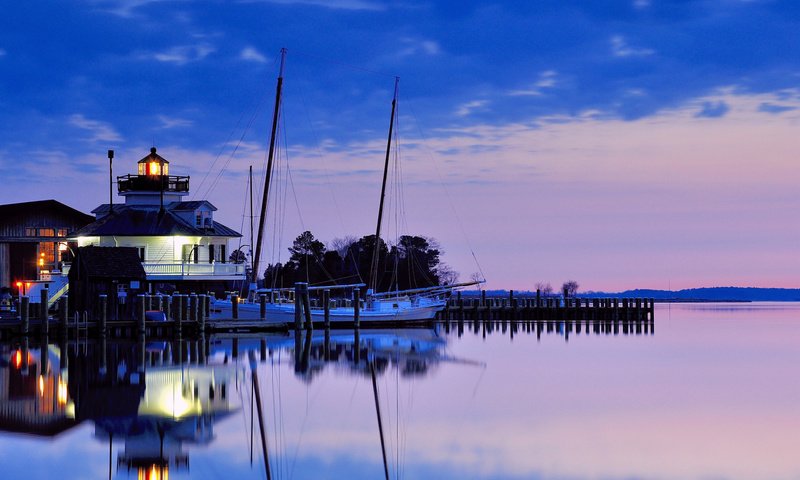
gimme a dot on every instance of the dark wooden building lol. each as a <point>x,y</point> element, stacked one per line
<point>113,271</point>
<point>33,238</point>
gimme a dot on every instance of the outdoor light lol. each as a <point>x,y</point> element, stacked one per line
<point>62,392</point>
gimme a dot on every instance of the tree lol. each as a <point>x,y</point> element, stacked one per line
<point>342,245</point>
<point>306,245</point>
<point>237,256</point>
<point>570,288</point>
<point>417,262</point>
<point>446,274</point>
<point>414,261</point>
<point>544,288</point>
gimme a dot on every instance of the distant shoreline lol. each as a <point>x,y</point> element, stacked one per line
<point>692,295</point>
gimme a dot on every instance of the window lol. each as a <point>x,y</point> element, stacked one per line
<point>47,253</point>
<point>62,232</point>
<point>47,232</point>
<point>211,253</point>
<point>30,232</point>
<point>186,251</point>
<point>198,219</point>
<point>189,253</point>
<point>141,253</point>
<point>222,254</point>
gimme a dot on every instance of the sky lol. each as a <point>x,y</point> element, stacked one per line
<point>622,144</point>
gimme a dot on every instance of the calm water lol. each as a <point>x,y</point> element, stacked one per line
<point>713,392</point>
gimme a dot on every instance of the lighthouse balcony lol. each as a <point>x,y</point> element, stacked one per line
<point>152,183</point>
<point>194,271</point>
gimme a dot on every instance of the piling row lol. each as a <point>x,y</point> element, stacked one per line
<point>548,308</point>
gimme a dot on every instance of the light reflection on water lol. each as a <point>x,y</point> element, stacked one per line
<point>711,392</point>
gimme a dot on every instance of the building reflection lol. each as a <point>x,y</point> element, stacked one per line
<point>154,399</point>
<point>151,398</point>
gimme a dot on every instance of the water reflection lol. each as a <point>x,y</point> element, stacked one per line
<point>156,401</point>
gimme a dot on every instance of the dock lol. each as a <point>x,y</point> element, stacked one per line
<point>511,307</point>
<point>188,316</point>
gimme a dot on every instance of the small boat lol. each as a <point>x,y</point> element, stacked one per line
<point>416,305</point>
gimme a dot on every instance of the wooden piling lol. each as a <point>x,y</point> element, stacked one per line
<point>63,313</point>
<point>43,316</point>
<point>201,313</point>
<point>166,306</point>
<point>102,324</point>
<point>306,306</point>
<point>298,307</point>
<point>262,306</point>
<point>235,306</point>
<point>24,313</point>
<point>142,310</point>
<point>326,303</point>
<point>193,308</point>
<point>357,307</point>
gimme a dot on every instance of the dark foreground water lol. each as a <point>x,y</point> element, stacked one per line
<point>713,392</point>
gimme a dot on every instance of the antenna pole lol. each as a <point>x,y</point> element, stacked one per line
<point>374,268</point>
<point>111,181</point>
<point>265,195</point>
<point>161,180</point>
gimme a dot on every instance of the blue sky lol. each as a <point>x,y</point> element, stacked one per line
<point>479,82</point>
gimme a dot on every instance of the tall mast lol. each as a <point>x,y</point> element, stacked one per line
<point>263,214</point>
<point>250,182</point>
<point>373,283</point>
<point>380,422</point>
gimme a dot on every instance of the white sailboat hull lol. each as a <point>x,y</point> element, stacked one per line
<point>284,313</point>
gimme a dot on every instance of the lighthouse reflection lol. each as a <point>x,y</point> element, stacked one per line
<point>154,402</point>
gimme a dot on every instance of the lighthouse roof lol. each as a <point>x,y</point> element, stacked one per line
<point>153,157</point>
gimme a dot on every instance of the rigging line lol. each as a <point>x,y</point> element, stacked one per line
<point>276,217</point>
<point>219,154</point>
<point>322,157</point>
<point>397,414</point>
<point>228,161</point>
<point>447,193</point>
<point>300,437</point>
<point>250,122</point>
<point>280,225</point>
<point>413,261</point>
<point>230,135</point>
<point>388,414</point>
<point>280,417</point>
<point>244,419</point>
<point>302,222</point>
<point>244,209</point>
<point>275,434</point>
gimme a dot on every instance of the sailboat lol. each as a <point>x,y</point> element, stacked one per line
<point>409,305</point>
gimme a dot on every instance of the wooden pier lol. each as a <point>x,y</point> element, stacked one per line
<point>176,316</point>
<point>547,308</point>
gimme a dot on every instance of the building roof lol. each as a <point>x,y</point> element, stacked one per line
<point>175,206</point>
<point>15,210</point>
<point>153,157</point>
<point>108,262</point>
<point>193,205</point>
<point>126,221</point>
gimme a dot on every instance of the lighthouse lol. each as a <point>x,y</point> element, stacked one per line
<point>180,244</point>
